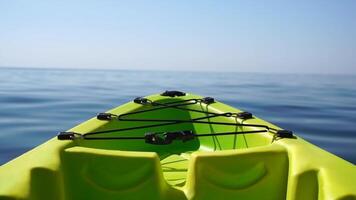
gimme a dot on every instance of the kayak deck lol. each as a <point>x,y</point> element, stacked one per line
<point>233,166</point>
<point>175,157</point>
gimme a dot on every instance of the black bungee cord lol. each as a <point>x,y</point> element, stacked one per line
<point>168,137</point>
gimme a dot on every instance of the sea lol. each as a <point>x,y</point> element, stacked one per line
<point>35,104</point>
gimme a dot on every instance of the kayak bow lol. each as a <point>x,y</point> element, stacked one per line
<point>177,145</point>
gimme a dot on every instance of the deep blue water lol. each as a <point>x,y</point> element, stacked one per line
<point>37,103</point>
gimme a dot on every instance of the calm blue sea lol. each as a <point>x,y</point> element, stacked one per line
<point>38,103</point>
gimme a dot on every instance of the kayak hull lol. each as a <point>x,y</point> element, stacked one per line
<point>246,166</point>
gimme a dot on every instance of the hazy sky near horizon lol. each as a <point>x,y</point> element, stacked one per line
<point>254,36</point>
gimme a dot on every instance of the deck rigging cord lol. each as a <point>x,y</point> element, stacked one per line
<point>168,137</point>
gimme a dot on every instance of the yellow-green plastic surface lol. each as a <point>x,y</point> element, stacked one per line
<point>248,166</point>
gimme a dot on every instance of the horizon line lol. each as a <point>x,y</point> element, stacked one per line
<point>169,70</point>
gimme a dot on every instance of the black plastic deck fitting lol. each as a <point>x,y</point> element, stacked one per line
<point>245,115</point>
<point>285,134</point>
<point>173,93</point>
<point>66,136</point>
<point>104,116</point>
<point>208,100</point>
<point>168,137</point>
<point>141,100</point>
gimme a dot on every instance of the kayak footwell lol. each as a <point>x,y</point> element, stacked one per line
<point>175,169</point>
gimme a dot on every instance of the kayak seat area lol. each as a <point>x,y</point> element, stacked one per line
<point>257,173</point>
<point>107,174</point>
<point>253,173</point>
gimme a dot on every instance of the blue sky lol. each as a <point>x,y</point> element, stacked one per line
<point>253,36</point>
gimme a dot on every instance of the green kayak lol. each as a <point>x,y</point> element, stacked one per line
<point>177,146</point>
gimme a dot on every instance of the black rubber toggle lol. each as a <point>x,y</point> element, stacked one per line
<point>208,100</point>
<point>104,116</point>
<point>66,136</point>
<point>181,135</point>
<point>154,138</point>
<point>141,100</point>
<point>173,93</point>
<point>284,134</point>
<point>244,115</point>
<point>168,137</point>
